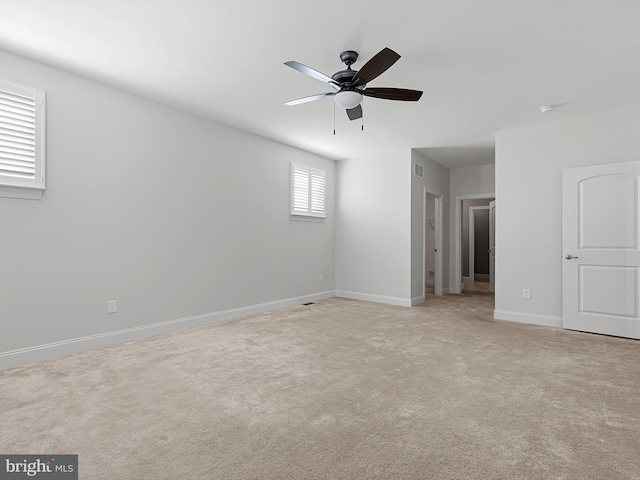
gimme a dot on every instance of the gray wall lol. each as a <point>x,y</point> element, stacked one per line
<point>373,228</point>
<point>529,161</point>
<point>173,215</point>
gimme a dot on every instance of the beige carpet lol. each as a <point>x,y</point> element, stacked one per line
<point>340,389</point>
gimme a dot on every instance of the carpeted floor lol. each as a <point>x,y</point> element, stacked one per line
<point>340,389</point>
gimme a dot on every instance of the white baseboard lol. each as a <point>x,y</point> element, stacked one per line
<point>74,345</point>
<point>446,291</point>
<point>367,297</point>
<point>466,279</point>
<point>417,300</point>
<point>530,318</point>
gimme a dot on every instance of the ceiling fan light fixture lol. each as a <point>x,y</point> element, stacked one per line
<point>348,99</point>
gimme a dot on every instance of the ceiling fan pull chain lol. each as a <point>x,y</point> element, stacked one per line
<point>362,120</point>
<point>334,118</point>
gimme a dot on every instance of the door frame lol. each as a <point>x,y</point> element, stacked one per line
<point>492,246</point>
<point>455,281</point>
<point>472,240</point>
<point>439,198</point>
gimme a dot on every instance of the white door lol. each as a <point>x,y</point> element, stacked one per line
<point>492,246</point>
<point>438,233</point>
<point>601,255</point>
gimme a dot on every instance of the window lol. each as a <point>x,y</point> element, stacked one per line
<point>21,142</point>
<point>308,191</point>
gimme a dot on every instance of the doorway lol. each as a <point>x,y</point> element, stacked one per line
<point>460,253</point>
<point>478,269</point>
<point>432,243</point>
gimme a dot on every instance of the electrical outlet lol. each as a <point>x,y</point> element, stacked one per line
<point>320,278</point>
<point>112,306</point>
<point>526,293</point>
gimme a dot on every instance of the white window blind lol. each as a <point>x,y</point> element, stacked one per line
<point>21,138</point>
<point>308,191</point>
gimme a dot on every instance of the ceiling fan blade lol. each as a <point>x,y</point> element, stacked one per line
<point>393,93</point>
<point>311,98</point>
<point>355,112</point>
<point>312,73</point>
<point>376,66</point>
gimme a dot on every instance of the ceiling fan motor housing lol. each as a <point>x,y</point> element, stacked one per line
<point>348,57</point>
<point>344,76</point>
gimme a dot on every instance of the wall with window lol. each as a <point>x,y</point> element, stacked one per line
<point>174,216</point>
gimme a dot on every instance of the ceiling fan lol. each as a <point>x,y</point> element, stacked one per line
<point>350,85</point>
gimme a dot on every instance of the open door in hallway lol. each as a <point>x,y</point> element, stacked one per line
<point>492,246</point>
<point>432,243</point>
<point>601,255</point>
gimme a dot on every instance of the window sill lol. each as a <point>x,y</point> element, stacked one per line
<point>307,218</point>
<point>25,193</point>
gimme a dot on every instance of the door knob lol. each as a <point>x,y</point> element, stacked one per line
<point>568,256</point>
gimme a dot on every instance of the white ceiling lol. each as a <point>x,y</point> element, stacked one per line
<point>484,65</point>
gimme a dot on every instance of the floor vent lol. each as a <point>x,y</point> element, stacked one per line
<point>310,303</point>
